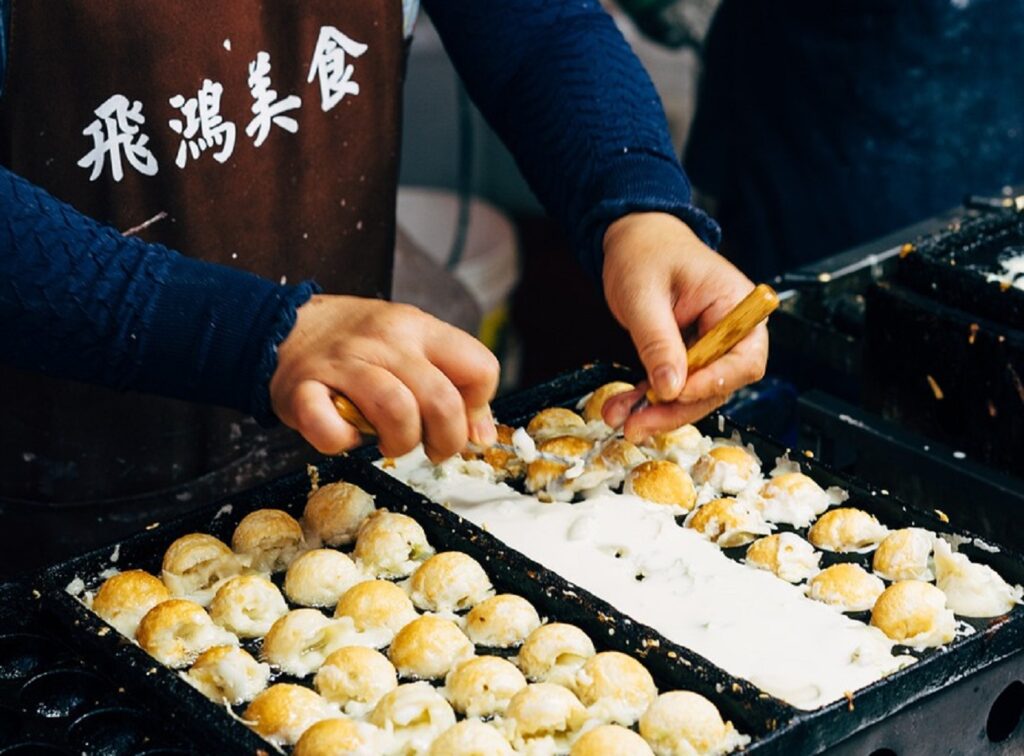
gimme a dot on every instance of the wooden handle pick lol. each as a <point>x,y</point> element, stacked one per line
<point>350,413</point>
<point>730,330</point>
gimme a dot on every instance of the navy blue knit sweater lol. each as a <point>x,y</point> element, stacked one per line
<point>555,79</point>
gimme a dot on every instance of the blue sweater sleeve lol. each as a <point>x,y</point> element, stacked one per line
<point>565,92</point>
<point>81,301</point>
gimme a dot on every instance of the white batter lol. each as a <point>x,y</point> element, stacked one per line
<point>1011,273</point>
<point>747,621</point>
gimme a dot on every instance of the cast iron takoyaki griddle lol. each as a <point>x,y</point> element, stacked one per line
<point>952,267</point>
<point>54,700</point>
<point>774,726</point>
<point>753,712</point>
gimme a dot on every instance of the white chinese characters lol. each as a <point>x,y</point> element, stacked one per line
<point>267,109</point>
<point>330,65</point>
<point>204,126</point>
<point>117,135</point>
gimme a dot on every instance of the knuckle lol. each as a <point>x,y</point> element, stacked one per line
<point>489,366</point>
<point>397,321</point>
<point>756,371</point>
<point>443,403</point>
<point>655,349</point>
<point>397,407</point>
<point>447,442</point>
<point>304,412</point>
<point>395,445</point>
<point>407,312</point>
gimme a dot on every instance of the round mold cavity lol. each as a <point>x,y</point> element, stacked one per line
<point>23,655</point>
<point>63,693</point>
<point>114,731</point>
<point>33,749</point>
<point>1006,713</point>
<point>10,725</point>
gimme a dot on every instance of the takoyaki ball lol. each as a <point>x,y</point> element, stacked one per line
<point>334,513</point>
<point>176,631</point>
<point>554,653</point>
<point>610,739</point>
<point>301,640</point>
<point>376,605</point>
<point>320,577</point>
<point>428,647</point>
<point>542,472</point>
<point>683,723</point>
<point>903,555</point>
<point>972,590</point>
<point>123,599</point>
<point>470,737</point>
<point>847,529</point>
<point>555,421</point>
<point>615,687</point>
<point>848,587</point>
<point>662,482</point>
<point>270,538</point>
<point>728,469</point>
<point>415,714</point>
<point>616,459</point>
<point>620,454</point>
<point>794,499</point>
<point>248,605</point>
<point>196,565</point>
<point>283,712</point>
<point>594,407</point>
<point>543,717</point>
<point>502,621</point>
<point>506,464</point>
<point>355,678</point>
<point>914,613</point>
<point>228,673</point>
<point>391,545</point>
<point>787,555</point>
<point>449,582</point>
<point>342,737</point>
<point>728,522</point>
<point>483,686</point>
<point>683,445</point>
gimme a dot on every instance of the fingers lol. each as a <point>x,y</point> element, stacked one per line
<point>617,408</point>
<point>467,363</point>
<point>413,377</point>
<point>311,412</point>
<point>743,364</point>
<point>644,423</point>
<point>653,328</point>
<point>441,409</point>
<point>386,402</point>
<point>473,370</point>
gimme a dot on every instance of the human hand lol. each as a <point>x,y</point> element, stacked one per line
<point>414,377</point>
<point>660,278</point>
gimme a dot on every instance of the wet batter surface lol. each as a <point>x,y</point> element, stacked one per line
<point>635,555</point>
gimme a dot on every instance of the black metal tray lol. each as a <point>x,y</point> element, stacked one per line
<point>951,267</point>
<point>774,726</point>
<point>55,702</point>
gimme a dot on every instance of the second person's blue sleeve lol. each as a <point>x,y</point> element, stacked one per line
<point>567,95</point>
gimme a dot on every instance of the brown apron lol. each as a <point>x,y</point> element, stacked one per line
<point>267,133</point>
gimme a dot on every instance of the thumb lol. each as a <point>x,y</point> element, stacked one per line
<point>652,326</point>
